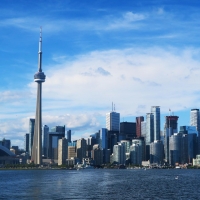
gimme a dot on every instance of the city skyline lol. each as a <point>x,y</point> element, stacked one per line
<point>135,54</point>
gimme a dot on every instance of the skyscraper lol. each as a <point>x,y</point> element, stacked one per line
<point>171,127</point>
<point>69,135</point>
<point>139,120</point>
<point>39,78</point>
<point>31,134</point>
<point>112,121</point>
<point>155,110</point>
<point>62,151</point>
<point>195,121</point>
<point>26,142</point>
<point>45,140</point>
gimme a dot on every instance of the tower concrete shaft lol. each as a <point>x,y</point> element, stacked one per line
<point>39,77</point>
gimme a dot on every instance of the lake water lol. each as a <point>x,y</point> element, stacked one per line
<point>100,184</point>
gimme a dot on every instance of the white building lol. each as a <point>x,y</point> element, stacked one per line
<point>113,121</point>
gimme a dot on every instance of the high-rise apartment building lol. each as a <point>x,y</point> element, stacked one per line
<point>155,110</point>
<point>139,120</point>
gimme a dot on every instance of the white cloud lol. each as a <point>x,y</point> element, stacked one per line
<point>139,78</point>
<point>152,77</point>
<point>129,16</point>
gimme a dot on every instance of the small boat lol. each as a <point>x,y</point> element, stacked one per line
<point>176,177</point>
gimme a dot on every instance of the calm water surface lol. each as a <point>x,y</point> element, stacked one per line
<point>100,184</point>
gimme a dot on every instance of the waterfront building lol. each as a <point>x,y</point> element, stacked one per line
<point>26,142</point>
<point>140,141</point>
<point>195,121</point>
<point>119,154</point>
<point>175,148</point>
<point>31,134</point>
<point>139,120</point>
<point>45,140</point>
<point>149,136</point>
<point>6,143</point>
<point>39,78</point>
<point>171,127</point>
<point>97,154</point>
<point>81,148</point>
<point>69,133</point>
<point>136,154</point>
<point>192,141</point>
<point>155,110</point>
<point>62,151</point>
<point>156,152</point>
<point>196,162</point>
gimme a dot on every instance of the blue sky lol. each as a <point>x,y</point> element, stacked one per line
<point>136,54</point>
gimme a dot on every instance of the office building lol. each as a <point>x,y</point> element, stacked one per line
<point>170,127</point>
<point>156,152</point>
<point>139,120</point>
<point>39,78</point>
<point>143,129</point>
<point>195,121</point>
<point>26,143</point>
<point>97,155</point>
<point>69,133</point>
<point>52,147</point>
<point>81,146</point>
<point>45,140</point>
<point>149,136</point>
<point>155,110</point>
<point>119,154</point>
<point>31,134</point>
<point>136,154</point>
<point>62,151</point>
<point>127,131</point>
<point>6,143</point>
<point>112,121</point>
<point>71,152</point>
<point>175,149</point>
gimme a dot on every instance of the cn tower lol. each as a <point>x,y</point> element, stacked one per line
<point>39,78</point>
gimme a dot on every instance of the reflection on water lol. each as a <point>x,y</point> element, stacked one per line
<point>99,184</point>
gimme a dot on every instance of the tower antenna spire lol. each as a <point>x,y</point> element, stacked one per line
<point>40,52</point>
